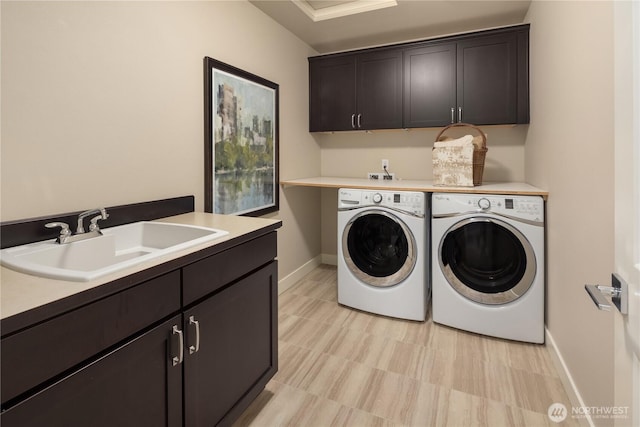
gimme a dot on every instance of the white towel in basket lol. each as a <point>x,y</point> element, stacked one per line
<point>460,142</point>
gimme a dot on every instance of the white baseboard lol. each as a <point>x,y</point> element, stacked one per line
<point>288,281</point>
<point>330,259</point>
<point>566,379</point>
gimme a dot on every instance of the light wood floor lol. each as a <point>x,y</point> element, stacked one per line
<point>343,367</point>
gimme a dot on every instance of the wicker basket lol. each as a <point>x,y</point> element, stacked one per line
<point>479,153</point>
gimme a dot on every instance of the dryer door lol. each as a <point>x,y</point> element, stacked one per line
<point>378,248</point>
<point>487,260</point>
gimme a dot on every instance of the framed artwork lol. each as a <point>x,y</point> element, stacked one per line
<point>241,141</point>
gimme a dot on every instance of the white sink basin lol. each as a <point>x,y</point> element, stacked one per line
<point>118,248</point>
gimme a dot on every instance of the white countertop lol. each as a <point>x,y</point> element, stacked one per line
<point>506,188</point>
<point>20,292</point>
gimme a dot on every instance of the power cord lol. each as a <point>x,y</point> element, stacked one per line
<point>387,172</point>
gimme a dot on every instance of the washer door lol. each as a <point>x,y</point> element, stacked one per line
<point>487,260</point>
<point>378,248</point>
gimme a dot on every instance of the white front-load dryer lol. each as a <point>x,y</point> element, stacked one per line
<point>383,252</point>
<point>488,264</point>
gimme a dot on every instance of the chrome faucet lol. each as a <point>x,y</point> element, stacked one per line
<point>94,230</point>
<point>94,220</point>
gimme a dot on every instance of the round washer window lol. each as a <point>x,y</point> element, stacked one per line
<point>487,260</point>
<point>378,248</point>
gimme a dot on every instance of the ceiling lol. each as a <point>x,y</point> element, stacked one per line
<point>336,25</point>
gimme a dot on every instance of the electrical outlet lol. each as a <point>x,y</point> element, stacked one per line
<point>386,176</point>
<point>385,164</point>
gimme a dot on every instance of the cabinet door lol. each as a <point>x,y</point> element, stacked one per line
<point>430,86</point>
<point>231,349</point>
<point>26,357</point>
<point>135,385</point>
<point>488,79</point>
<point>379,90</point>
<point>332,96</point>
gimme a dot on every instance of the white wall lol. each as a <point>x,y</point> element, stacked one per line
<point>569,151</point>
<point>353,154</point>
<point>102,105</point>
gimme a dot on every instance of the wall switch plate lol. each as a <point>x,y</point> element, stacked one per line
<point>388,176</point>
<point>373,175</point>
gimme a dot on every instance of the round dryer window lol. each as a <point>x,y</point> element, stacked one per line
<point>487,260</point>
<point>379,249</point>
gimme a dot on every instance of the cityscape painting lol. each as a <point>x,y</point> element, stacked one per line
<point>241,141</point>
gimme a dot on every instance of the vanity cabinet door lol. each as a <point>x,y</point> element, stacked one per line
<point>231,348</point>
<point>45,351</point>
<point>135,385</point>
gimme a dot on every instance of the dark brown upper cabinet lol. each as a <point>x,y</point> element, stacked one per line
<point>480,78</point>
<point>490,83</point>
<point>430,86</point>
<point>356,91</point>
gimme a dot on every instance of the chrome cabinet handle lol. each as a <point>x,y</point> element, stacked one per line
<point>195,348</point>
<point>459,114</point>
<point>353,121</point>
<point>453,114</point>
<point>359,121</point>
<point>176,360</point>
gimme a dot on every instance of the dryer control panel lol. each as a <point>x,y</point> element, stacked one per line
<point>523,207</point>
<point>406,201</point>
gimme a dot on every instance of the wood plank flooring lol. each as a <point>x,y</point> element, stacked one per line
<point>344,367</point>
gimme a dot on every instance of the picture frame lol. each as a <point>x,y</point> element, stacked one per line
<point>241,123</point>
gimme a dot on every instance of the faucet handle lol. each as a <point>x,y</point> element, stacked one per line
<point>93,225</point>
<point>64,231</point>
<point>103,215</point>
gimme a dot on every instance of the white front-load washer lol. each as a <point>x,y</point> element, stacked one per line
<point>488,264</point>
<point>383,252</point>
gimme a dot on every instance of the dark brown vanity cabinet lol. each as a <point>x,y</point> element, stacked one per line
<point>231,349</point>
<point>356,91</point>
<point>190,347</point>
<point>133,385</point>
<point>101,364</point>
<point>480,78</point>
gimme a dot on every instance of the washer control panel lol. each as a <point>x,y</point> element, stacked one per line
<point>524,207</point>
<point>406,201</point>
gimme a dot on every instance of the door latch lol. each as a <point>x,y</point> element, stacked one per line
<point>619,292</point>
